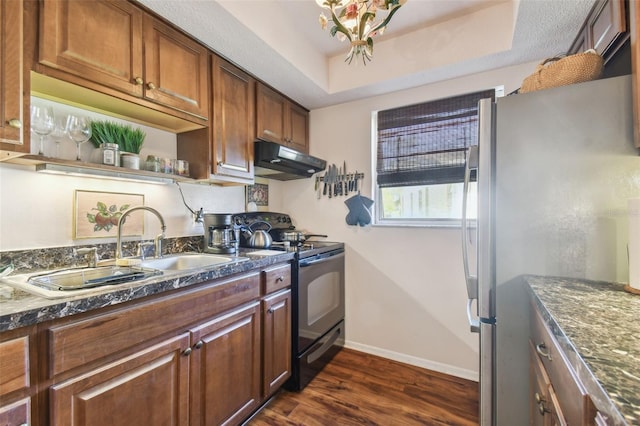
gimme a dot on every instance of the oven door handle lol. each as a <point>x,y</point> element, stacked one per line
<point>305,263</point>
<point>325,346</point>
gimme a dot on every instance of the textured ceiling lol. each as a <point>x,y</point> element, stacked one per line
<point>281,43</point>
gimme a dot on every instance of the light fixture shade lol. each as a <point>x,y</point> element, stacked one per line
<point>355,20</point>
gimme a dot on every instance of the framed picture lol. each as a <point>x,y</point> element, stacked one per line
<point>96,214</point>
<point>257,196</point>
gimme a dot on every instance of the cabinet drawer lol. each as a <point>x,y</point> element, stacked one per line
<point>79,343</point>
<point>543,402</point>
<point>276,278</point>
<point>14,365</point>
<point>573,399</point>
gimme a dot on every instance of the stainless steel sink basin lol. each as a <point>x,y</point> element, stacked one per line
<point>77,281</point>
<point>189,261</point>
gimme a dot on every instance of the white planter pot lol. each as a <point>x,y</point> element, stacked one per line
<point>129,160</point>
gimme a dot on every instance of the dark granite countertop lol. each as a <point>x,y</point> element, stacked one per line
<point>19,308</point>
<point>598,327</point>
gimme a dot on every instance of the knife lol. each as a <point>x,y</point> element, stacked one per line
<point>324,181</point>
<point>330,181</point>
<point>336,188</point>
<point>345,182</point>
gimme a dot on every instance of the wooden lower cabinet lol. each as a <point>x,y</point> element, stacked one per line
<point>277,340</point>
<point>225,368</point>
<point>557,396</point>
<point>147,387</point>
<point>201,356</point>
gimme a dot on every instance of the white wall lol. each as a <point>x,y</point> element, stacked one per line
<point>36,209</point>
<point>406,297</point>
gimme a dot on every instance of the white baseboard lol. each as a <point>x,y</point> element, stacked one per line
<point>412,360</point>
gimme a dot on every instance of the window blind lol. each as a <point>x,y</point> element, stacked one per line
<point>425,143</point>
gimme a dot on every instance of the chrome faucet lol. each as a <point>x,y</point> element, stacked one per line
<point>157,240</point>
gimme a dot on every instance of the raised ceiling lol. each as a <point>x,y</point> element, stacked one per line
<point>281,42</point>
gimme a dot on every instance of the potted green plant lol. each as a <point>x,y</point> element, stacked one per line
<point>130,146</point>
<point>128,139</point>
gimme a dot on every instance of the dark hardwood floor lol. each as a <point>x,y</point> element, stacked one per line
<point>362,389</point>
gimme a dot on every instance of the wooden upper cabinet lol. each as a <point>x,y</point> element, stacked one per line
<point>109,45</point>
<point>603,29</point>
<point>100,41</point>
<point>176,69</point>
<point>12,117</point>
<point>233,120</point>
<point>280,120</point>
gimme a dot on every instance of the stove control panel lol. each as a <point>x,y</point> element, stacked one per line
<point>276,220</point>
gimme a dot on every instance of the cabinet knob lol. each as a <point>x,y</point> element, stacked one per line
<point>199,344</point>
<point>270,310</point>
<point>15,123</point>
<point>540,348</point>
<point>187,352</point>
<point>151,86</point>
<point>542,410</point>
<point>139,81</point>
<point>538,398</point>
<point>279,279</point>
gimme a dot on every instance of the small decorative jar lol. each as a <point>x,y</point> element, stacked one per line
<point>111,154</point>
<point>152,163</point>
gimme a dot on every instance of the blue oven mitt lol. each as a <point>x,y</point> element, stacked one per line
<point>359,210</point>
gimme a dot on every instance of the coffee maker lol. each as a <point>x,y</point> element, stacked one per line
<point>219,234</point>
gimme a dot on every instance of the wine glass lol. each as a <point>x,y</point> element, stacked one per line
<point>59,133</point>
<point>79,130</point>
<point>41,123</point>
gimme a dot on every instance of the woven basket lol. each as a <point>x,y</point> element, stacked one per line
<point>571,69</point>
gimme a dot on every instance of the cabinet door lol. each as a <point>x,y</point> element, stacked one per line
<point>277,341</point>
<point>147,388</point>
<point>605,23</point>
<point>11,77</point>
<point>634,15</point>
<point>16,414</point>
<point>176,69</point>
<point>225,365</point>
<point>100,41</point>
<point>298,128</point>
<point>233,120</point>
<point>271,108</point>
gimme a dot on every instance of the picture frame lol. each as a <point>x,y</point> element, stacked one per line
<point>96,214</point>
<point>257,197</point>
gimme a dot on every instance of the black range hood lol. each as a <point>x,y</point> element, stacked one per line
<point>274,161</point>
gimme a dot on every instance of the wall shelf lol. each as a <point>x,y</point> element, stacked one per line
<point>80,168</point>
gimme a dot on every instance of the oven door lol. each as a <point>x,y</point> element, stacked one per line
<point>320,296</point>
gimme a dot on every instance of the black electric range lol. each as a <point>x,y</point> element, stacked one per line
<point>317,293</point>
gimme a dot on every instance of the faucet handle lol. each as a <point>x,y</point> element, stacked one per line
<point>91,254</point>
<point>141,248</point>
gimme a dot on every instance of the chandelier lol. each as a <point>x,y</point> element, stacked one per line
<point>355,20</point>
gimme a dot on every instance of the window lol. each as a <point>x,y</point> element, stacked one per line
<point>420,159</point>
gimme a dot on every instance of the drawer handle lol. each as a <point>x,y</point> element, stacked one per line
<point>280,279</point>
<point>539,349</point>
<point>542,410</point>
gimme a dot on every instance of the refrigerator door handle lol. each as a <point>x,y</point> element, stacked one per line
<point>471,281</point>
<point>474,323</point>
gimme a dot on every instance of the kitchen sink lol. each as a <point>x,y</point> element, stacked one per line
<point>79,279</point>
<point>73,281</point>
<point>189,261</point>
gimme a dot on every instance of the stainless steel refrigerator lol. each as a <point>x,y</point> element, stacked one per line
<point>555,169</point>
